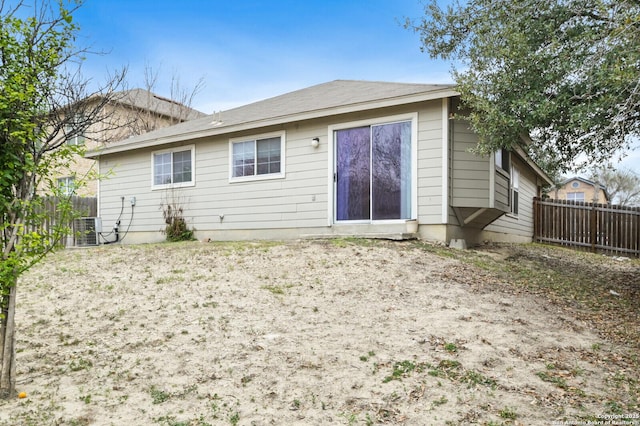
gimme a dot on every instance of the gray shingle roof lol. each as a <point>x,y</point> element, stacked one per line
<point>149,101</point>
<point>335,97</point>
<point>587,181</point>
<point>326,96</point>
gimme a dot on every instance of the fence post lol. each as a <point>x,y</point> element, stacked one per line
<point>610,228</point>
<point>536,218</point>
<point>594,227</point>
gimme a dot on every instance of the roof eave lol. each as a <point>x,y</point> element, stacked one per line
<point>533,165</point>
<point>445,92</point>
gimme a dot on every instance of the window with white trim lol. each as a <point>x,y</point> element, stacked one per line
<point>515,190</point>
<point>173,168</point>
<point>260,157</point>
<point>575,196</point>
<point>67,185</point>
<point>374,175</point>
<point>74,137</point>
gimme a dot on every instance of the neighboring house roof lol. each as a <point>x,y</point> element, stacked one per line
<point>597,186</point>
<point>581,179</point>
<point>149,101</point>
<point>335,97</point>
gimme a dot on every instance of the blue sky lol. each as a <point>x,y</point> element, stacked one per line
<point>247,50</point>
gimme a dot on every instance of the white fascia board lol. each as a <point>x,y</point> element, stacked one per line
<point>533,165</point>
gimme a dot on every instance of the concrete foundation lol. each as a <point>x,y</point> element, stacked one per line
<point>458,243</point>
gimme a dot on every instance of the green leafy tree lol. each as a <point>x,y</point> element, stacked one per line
<point>43,103</point>
<point>564,72</point>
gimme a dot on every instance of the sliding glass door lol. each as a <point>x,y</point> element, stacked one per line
<point>373,172</point>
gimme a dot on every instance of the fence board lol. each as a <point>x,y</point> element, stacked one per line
<point>597,227</point>
<point>85,206</point>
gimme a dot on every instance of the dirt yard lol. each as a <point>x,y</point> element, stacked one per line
<point>341,332</point>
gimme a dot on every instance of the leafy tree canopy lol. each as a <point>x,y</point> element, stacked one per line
<point>37,102</point>
<point>565,72</point>
<point>43,103</point>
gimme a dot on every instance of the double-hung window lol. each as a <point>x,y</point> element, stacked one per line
<point>67,185</point>
<point>515,190</point>
<point>173,168</point>
<point>73,136</point>
<point>575,196</point>
<point>257,158</point>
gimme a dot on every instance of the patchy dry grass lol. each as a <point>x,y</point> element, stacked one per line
<point>344,331</point>
<point>601,290</point>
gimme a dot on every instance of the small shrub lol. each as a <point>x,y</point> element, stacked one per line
<point>176,228</point>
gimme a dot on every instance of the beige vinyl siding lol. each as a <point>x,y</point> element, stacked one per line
<point>430,163</point>
<point>522,224</point>
<point>302,199</point>
<point>298,200</point>
<point>470,179</point>
<point>128,176</point>
<point>300,203</point>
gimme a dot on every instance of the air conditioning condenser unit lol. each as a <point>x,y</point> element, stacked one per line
<point>87,231</point>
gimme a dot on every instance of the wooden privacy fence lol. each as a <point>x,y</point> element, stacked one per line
<point>590,226</point>
<point>85,206</point>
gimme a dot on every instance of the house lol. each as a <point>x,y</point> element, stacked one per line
<point>132,112</point>
<point>580,189</point>
<point>341,158</point>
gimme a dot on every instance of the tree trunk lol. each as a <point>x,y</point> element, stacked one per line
<point>7,349</point>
